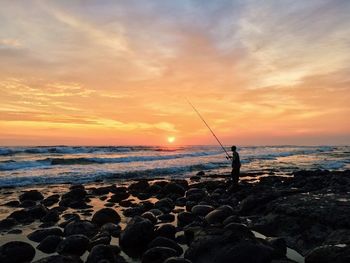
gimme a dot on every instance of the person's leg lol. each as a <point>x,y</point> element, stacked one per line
<point>235,175</point>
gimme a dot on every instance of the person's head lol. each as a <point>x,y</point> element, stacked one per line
<point>233,148</point>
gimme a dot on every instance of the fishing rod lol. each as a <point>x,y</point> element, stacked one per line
<point>200,116</point>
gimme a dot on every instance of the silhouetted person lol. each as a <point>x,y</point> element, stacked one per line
<point>236,166</point>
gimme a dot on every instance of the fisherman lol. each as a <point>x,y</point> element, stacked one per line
<point>236,166</point>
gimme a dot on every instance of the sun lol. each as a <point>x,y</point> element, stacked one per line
<point>171,139</point>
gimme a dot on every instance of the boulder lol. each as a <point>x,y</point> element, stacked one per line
<point>49,244</point>
<point>33,195</point>
<point>16,252</point>
<point>218,215</point>
<point>80,227</point>
<point>135,238</point>
<point>103,253</point>
<point>105,215</point>
<point>166,230</point>
<point>59,259</point>
<point>202,210</point>
<point>325,254</point>
<point>158,254</point>
<point>73,245</point>
<point>166,242</point>
<point>41,234</point>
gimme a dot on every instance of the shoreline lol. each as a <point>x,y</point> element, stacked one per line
<point>307,212</point>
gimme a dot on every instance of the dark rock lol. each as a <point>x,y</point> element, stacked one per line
<point>80,227</point>
<point>33,195</point>
<point>37,211</point>
<point>166,242</point>
<point>166,230</point>
<point>340,236</point>
<point>200,173</point>
<point>41,234</point>
<point>173,188</point>
<point>118,197</point>
<point>133,211</point>
<point>15,231</point>
<point>195,194</point>
<point>135,238</point>
<point>49,244</point>
<point>27,203</point>
<point>325,254</point>
<point>14,203</point>
<point>21,216</point>
<point>51,216</point>
<point>166,205</point>
<point>7,223</point>
<point>279,245</point>
<point>103,253</point>
<point>158,254</point>
<point>185,218</point>
<point>232,219</point>
<point>177,260</point>
<point>139,186</point>
<point>218,215</point>
<point>166,218</point>
<point>16,252</point>
<point>105,215</point>
<point>73,245</point>
<point>60,259</point>
<point>202,210</point>
<point>112,229</point>
<point>101,239</point>
<point>51,200</point>
<point>150,216</point>
<point>156,212</point>
<point>181,201</point>
<point>190,204</point>
<point>125,203</point>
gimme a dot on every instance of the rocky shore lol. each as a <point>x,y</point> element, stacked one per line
<point>201,220</point>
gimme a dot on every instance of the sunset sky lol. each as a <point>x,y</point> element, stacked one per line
<point>119,72</point>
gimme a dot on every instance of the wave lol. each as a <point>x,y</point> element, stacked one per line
<point>76,177</point>
<point>6,151</point>
<point>13,165</point>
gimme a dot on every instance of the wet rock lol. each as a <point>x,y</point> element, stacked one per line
<point>15,231</point>
<point>16,252</point>
<point>340,236</point>
<point>101,239</point>
<point>112,229</point>
<point>177,260</point>
<point>218,215</point>
<point>14,203</point>
<point>103,253</point>
<point>33,195</point>
<point>166,230</point>
<point>279,245</point>
<point>158,254</point>
<point>60,259</point>
<point>325,254</point>
<point>73,245</point>
<point>49,244</point>
<point>80,227</point>
<point>105,215</point>
<point>125,203</point>
<point>200,173</point>
<point>166,242</point>
<point>190,205</point>
<point>27,203</point>
<point>51,216</point>
<point>232,219</point>
<point>181,201</point>
<point>185,218</point>
<point>7,223</point>
<point>118,197</point>
<point>202,210</point>
<point>51,200</point>
<point>139,186</point>
<point>156,212</point>
<point>195,194</point>
<point>166,218</point>
<point>135,238</point>
<point>21,216</point>
<point>150,216</point>
<point>174,188</point>
<point>166,205</point>
<point>37,211</point>
<point>41,234</point>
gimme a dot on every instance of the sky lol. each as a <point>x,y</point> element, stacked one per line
<point>120,72</point>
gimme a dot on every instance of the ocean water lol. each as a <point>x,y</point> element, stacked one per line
<point>20,166</point>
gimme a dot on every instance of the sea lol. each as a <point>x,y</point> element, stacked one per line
<point>25,166</point>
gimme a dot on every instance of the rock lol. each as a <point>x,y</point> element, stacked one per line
<point>135,238</point>
<point>202,210</point>
<point>14,203</point>
<point>200,173</point>
<point>59,259</point>
<point>134,211</point>
<point>325,254</point>
<point>111,229</point>
<point>51,216</point>
<point>33,195</point>
<point>157,254</point>
<point>218,215</point>
<point>41,234</point>
<point>195,194</point>
<point>156,212</point>
<point>166,218</point>
<point>279,245</point>
<point>177,260</point>
<point>166,242</point>
<point>49,244</point>
<point>150,216</point>
<point>166,230</point>
<point>181,201</point>
<point>105,215</point>
<point>16,252</point>
<point>166,205</point>
<point>173,188</point>
<point>101,239</point>
<point>139,187</point>
<point>118,197</point>
<point>340,236</point>
<point>50,200</point>
<point>7,223</point>
<point>185,218</point>
<point>80,227</point>
<point>103,253</point>
<point>73,245</point>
